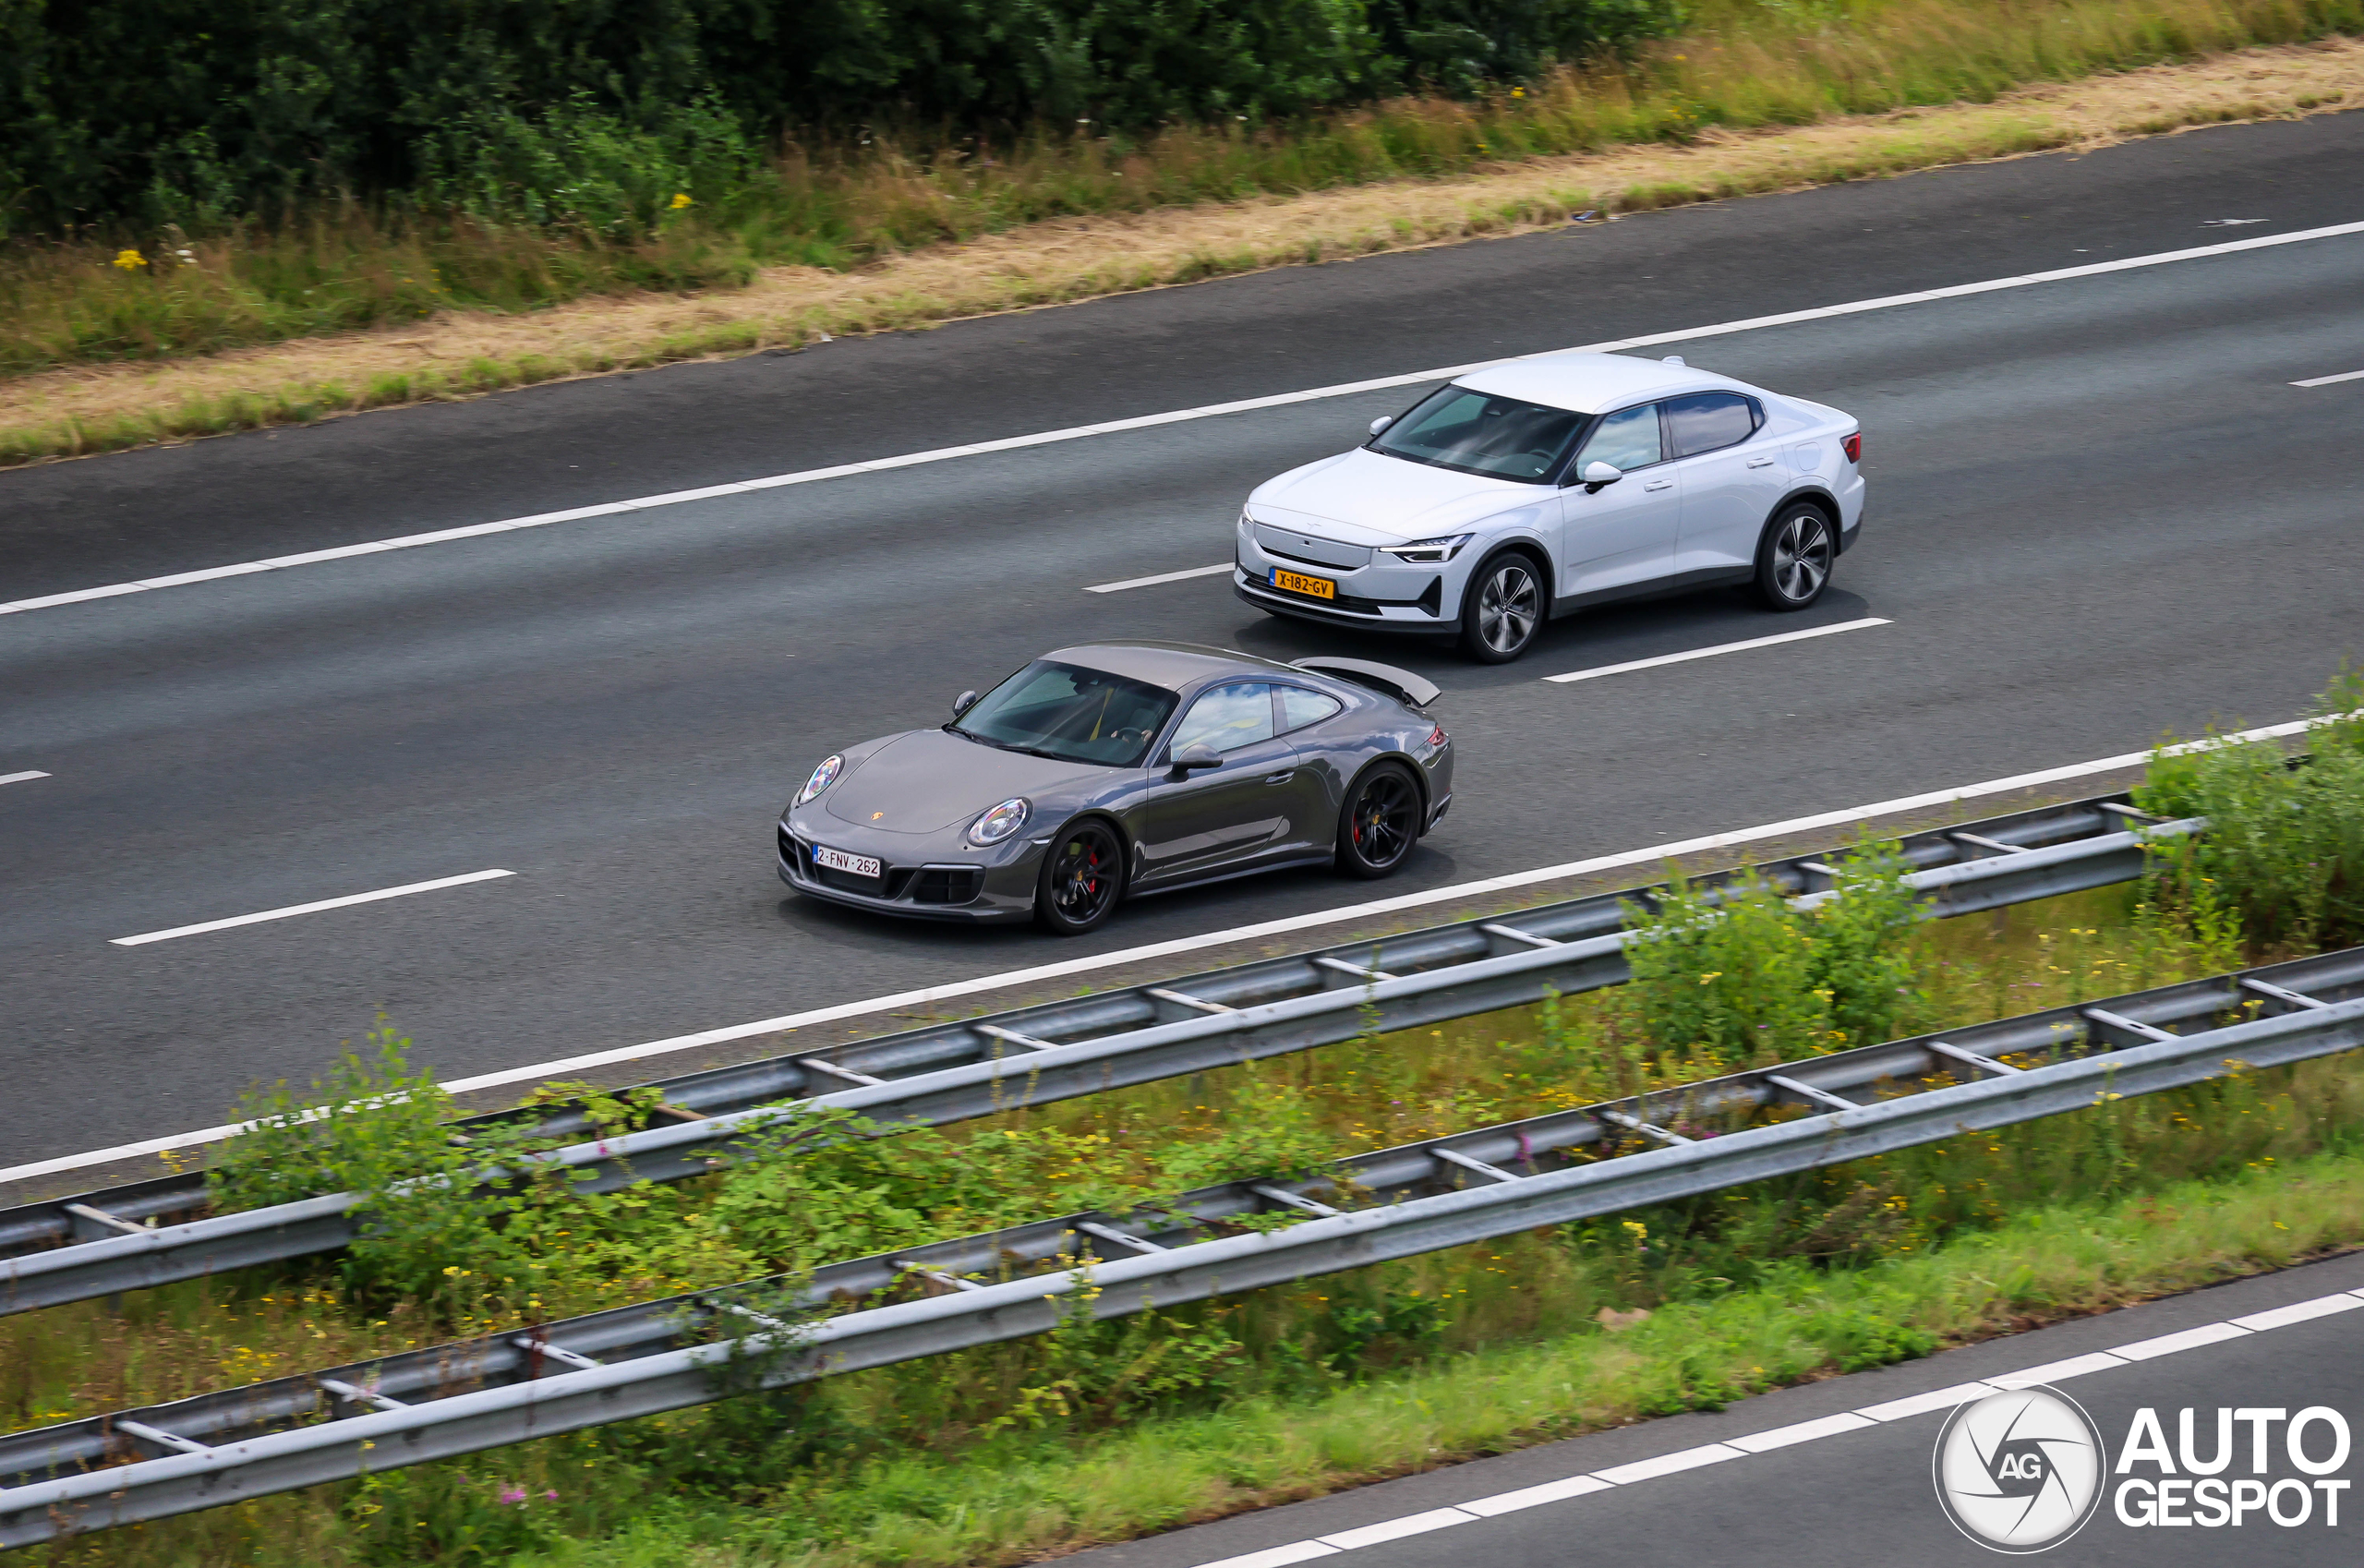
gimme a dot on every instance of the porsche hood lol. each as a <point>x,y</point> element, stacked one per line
<point>929,780</point>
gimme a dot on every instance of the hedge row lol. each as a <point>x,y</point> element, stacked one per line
<point>190,112</point>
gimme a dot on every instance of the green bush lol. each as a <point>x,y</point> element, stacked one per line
<point>2284,847</point>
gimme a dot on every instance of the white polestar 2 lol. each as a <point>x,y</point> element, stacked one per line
<point>1548,485</point>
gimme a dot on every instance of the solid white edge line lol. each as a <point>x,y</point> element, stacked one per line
<point>26,777</point>
<point>1687,656</point>
<point>931,994</point>
<point>1160,577</point>
<point>2059,1371</point>
<point>2327,381</point>
<point>1214,410</point>
<point>1396,1529</point>
<point>314,908</point>
<point>1772,1438</point>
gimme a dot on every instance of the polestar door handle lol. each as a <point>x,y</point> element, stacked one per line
<point>1280,777</point>
<point>1760,463</point>
<point>1662,485</point>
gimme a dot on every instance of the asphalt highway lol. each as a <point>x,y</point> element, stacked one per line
<point>2098,511</point>
<point>1862,1497</point>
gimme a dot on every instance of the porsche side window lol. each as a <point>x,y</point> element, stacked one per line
<point>1300,708</point>
<point>1706,421</point>
<point>1626,439</point>
<point>1228,717</point>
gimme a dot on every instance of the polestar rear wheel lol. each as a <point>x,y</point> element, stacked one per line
<point>1083,878</point>
<point>1793,564</point>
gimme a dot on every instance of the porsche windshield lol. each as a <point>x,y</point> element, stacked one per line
<point>1476,432</point>
<point>1068,713</point>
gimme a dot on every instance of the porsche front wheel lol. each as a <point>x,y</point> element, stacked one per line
<point>1381,824</point>
<point>1083,878</point>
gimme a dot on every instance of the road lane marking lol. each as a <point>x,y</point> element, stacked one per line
<point>292,909</point>
<point>1619,1477</point>
<point>1179,416</point>
<point>932,995</point>
<point>20,777</point>
<point>2327,381</point>
<point>1160,577</point>
<point>1632,665</point>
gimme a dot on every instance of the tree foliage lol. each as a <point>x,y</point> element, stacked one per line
<point>176,111</point>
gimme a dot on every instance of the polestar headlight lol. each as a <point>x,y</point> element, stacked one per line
<point>999,823</point>
<point>1246,523</point>
<point>823,777</point>
<point>1428,552</point>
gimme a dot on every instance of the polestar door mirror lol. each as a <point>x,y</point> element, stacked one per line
<point>963,703</point>
<point>1381,423</point>
<point>1598,474</point>
<point>1197,756</point>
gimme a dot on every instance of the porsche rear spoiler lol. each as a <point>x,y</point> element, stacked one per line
<point>1401,685</point>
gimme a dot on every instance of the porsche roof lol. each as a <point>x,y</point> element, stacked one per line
<point>1170,665</point>
<point>1589,383</point>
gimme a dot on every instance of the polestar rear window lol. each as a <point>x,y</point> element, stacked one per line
<point>1475,432</point>
<point>1070,714</point>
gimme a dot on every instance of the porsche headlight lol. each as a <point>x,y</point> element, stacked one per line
<point>999,823</point>
<point>1428,552</point>
<point>823,777</point>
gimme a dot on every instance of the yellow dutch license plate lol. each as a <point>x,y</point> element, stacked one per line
<point>1299,583</point>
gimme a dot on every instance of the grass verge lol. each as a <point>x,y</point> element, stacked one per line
<point>1778,100</point>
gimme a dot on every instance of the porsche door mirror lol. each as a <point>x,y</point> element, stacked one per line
<point>1598,474</point>
<point>963,703</point>
<point>1381,423</point>
<point>1194,757</point>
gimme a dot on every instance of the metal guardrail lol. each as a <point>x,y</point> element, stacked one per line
<point>659,1356</point>
<point>1059,1050</point>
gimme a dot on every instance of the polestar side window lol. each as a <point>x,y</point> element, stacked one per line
<point>1626,439</point>
<point>1705,421</point>
<point>1070,714</point>
<point>1475,432</point>
<point>1228,717</point>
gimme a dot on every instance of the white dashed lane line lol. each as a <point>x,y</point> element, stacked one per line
<point>293,909</point>
<point>20,777</point>
<point>1632,665</point>
<point>2327,381</point>
<point>1787,1436</point>
<point>1160,577</point>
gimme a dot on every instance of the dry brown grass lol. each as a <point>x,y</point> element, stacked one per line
<point>61,413</point>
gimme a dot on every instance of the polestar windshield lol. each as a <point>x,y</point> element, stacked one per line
<point>1475,432</point>
<point>1069,714</point>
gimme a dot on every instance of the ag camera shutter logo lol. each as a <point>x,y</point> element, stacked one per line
<point>2019,1471</point>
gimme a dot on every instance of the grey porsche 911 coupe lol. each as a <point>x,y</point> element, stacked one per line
<point>1107,771</point>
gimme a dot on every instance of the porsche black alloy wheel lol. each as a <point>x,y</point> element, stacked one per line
<point>1793,562</point>
<point>1505,609</point>
<point>1382,822</point>
<point>1083,876</point>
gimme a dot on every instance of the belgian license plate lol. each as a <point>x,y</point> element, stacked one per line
<point>1299,583</point>
<point>837,860</point>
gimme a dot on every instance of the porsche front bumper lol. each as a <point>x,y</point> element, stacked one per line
<point>974,888</point>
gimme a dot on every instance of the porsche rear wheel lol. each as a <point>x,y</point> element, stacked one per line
<point>1382,822</point>
<point>1083,878</point>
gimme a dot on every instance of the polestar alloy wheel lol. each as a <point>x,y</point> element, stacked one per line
<point>1505,609</point>
<point>1793,562</point>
